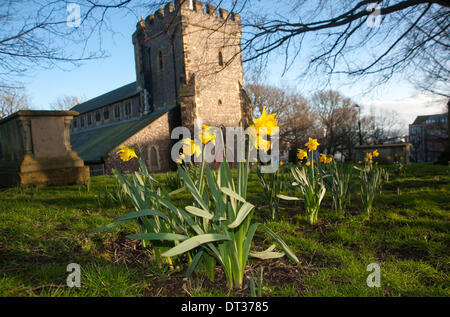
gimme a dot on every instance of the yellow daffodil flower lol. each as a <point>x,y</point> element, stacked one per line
<point>329,159</point>
<point>323,158</point>
<point>375,153</point>
<point>191,148</point>
<point>127,153</point>
<point>263,126</point>
<point>267,121</point>
<point>207,135</point>
<point>308,163</point>
<point>301,154</point>
<point>369,157</point>
<point>312,144</point>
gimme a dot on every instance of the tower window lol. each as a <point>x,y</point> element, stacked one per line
<point>220,58</point>
<point>97,116</point>
<point>160,61</point>
<point>106,113</point>
<point>220,102</point>
<point>191,4</point>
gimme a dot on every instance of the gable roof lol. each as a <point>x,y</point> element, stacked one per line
<point>91,145</point>
<point>111,97</point>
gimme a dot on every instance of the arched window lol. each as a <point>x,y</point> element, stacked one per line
<point>153,161</point>
<point>160,61</point>
<point>220,103</point>
<point>220,58</point>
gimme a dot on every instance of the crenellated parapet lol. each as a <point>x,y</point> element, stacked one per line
<point>188,8</point>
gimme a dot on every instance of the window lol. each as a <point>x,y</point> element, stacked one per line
<point>220,58</point>
<point>89,119</point>
<point>220,102</point>
<point>82,122</point>
<point>127,109</point>
<point>74,123</point>
<point>153,157</point>
<point>117,111</point>
<point>191,4</point>
<point>98,117</point>
<point>160,61</point>
<point>106,113</point>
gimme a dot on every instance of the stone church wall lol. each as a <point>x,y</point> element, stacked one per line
<point>157,135</point>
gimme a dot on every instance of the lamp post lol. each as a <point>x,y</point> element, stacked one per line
<point>359,123</point>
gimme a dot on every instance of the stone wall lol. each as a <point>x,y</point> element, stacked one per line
<point>157,135</point>
<point>190,41</point>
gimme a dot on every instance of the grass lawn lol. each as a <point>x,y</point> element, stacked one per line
<point>43,230</point>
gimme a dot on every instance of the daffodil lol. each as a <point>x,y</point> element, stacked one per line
<point>127,153</point>
<point>207,135</point>
<point>301,154</point>
<point>312,144</point>
<point>323,158</point>
<point>369,157</point>
<point>262,127</point>
<point>388,157</point>
<point>329,159</point>
<point>267,121</point>
<point>281,163</point>
<point>359,162</point>
<point>308,163</point>
<point>375,153</point>
<point>190,147</point>
<point>180,159</point>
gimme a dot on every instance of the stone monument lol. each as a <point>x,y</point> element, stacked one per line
<point>35,150</point>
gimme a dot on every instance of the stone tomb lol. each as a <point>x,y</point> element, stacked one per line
<point>35,150</point>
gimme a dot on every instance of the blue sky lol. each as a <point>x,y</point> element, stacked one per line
<point>96,77</point>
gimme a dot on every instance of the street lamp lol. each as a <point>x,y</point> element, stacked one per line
<point>359,123</point>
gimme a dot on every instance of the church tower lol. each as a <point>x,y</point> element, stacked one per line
<point>189,54</point>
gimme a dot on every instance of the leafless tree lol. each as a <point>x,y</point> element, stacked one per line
<point>294,115</point>
<point>65,102</point>
<point>12,100</point>
<point>361,39</point>
<point>343,37</point>
<point>338,120</point>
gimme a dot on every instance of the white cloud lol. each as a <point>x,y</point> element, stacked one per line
<point>409,107</point>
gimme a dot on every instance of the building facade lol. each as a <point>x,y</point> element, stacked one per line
<point>428,135</point>
<point>188,71</point>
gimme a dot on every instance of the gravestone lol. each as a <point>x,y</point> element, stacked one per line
<point>35,150</point>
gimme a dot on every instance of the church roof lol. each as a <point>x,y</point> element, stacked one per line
<point>91,145</point>
<point>111,97</point>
